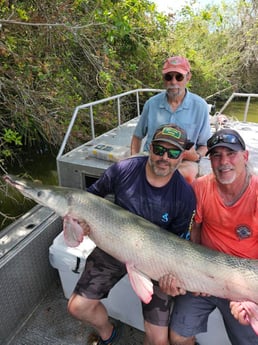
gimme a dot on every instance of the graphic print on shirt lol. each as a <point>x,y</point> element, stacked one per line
<point>243,231</point>
<point>164,217</point>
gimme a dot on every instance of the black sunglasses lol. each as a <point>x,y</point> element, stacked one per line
<point>159,150</point>
<point>178,76</point>
<point>225,138</point>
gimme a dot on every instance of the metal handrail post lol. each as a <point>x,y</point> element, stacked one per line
<point>92,123</point>
<point>67,134</point>
<point>246,108</point>
<point>118,111</point>
<point>227,103</point>
<point>138,103</point>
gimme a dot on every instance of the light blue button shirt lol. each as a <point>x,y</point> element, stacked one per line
<point>192,115</point>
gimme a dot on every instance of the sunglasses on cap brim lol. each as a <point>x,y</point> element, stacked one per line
<point>226,139</point>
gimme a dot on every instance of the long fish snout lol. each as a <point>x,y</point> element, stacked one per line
<point>11,180</point>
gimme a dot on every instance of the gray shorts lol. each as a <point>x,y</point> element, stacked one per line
<point>190,317</point>
<point>102,272</point>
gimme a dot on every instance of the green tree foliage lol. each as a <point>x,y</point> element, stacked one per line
<point>245,41</point>
<point>9,139</point>
<point>58,54</point>
<point>202,36</point>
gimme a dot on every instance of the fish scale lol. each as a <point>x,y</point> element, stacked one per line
<point>147,247</point>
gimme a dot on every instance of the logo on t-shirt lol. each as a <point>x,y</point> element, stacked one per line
<point>165,217</point>
<point>243,232</point>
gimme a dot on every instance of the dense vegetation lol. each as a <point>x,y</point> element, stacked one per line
<point>58,54</point>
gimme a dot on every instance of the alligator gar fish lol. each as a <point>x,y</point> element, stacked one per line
<point>147,250</point>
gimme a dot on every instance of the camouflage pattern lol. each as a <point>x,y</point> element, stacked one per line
<point>102,272</point>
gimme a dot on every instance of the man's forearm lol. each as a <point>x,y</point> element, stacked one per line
<point>195,155</point>
<point>135,145</point>
<point>195,233</point>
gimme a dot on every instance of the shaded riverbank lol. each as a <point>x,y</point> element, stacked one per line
<point>41,167</point>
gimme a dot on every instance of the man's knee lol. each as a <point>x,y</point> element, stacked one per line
<point>155,335</point>
<point>78,306</point>
<point>176,339</point>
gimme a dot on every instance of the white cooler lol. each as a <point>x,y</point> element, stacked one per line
<point>122,302</point>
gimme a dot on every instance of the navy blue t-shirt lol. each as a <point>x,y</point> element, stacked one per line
<point>170,207</point>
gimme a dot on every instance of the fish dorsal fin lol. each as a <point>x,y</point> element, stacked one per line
<point>73,232</point>
<point>141,284</point>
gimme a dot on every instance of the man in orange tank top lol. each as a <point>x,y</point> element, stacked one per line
<point>226,220</point>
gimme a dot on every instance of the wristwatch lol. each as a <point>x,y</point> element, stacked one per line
<point>200,156</point>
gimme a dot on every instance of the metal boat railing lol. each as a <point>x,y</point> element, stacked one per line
<point>91,105</point>
<point>137,92</point>
<point>236,94</point>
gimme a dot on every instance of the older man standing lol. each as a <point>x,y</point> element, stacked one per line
<point>179,106</point>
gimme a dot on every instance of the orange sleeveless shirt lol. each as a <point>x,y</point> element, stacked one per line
<point>229,229</point>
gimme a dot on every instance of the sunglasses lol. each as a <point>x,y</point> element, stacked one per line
<point>225,138</point>
<point>178,76</point>
<point>159,150</point>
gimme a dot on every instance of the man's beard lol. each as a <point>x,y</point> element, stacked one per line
<point>173,92</point>
<point>161,171</point>
<point>224,180</point>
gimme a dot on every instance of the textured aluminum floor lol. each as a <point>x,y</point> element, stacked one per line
<point>52,324</point>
